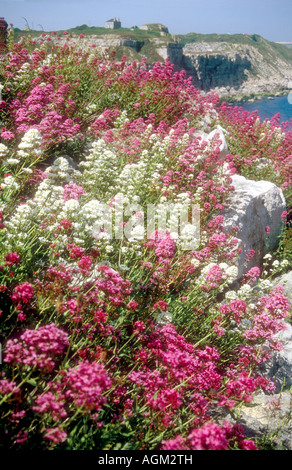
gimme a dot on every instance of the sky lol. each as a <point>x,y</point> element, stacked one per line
<point>268,18</point>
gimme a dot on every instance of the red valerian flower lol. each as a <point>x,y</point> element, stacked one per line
<point>23,293</point>
<point>12,258</point>
<point>37,348</point>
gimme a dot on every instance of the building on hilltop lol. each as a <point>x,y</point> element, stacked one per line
<point>3,35</point>
<point>114,23</point>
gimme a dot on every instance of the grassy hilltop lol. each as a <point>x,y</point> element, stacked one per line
<point>269,49</point>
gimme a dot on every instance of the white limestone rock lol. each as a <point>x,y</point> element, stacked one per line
<point>219,133</point>
<point>279,367</point>
<point>269,416</point>
<point>253,206</point>
<point>285,280</point>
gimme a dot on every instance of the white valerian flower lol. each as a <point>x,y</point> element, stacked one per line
<point>195,262</point>
<point>9,182</point>
<point>189,237</point>
<point>100,170</point>
<point>30,144</point>
<point>153,138</point>
<point>79,241</point>
<point>232,273</point>
<point>244,291</point>
<point>22,71</point>
<point>284,263</point>
<point>163,318</point>
<point>43,240</point>
<point>264,284</point>
<point>134,233</point>
<point>3,151</point>
<point>59,172</point>
<point>71,205</point>
<point>12,161</point>
<point>231,295</point>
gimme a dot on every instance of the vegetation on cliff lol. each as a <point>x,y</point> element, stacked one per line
<point>125,342</point>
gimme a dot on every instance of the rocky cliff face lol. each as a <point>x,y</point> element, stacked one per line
<point>232,68</point>
<point>236,69</point>
<point>217,70</point>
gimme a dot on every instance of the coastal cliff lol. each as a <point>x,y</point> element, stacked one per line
<point>234,66</point>
<point>234,69</point>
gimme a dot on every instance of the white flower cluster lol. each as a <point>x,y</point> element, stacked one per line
<point>28,149</point>
<point>22,73</point>
<point>30,145</point>
<point>185,233</point>
<point>163,318</point>
<point>229,275</point>
<point>244,292</point>
<point>61,172</point>
<point>48,206</point>
<point>134,178</point>
<point>9,182</point>
<point>100,170</point>
<point>18,227</point>
<point>3,151</point>
<point>94,219</point>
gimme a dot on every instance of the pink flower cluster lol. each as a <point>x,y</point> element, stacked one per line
<point>79,388</point>
<point>72,191</point>
<point>23,293</point>
<point>47,110</point>
<point>113,285</point>
<point>85,385</point>
<point>164,246</point>
<point>75,250</point>
<point>12,258</point>
<point>235,309</point>
<point>82,387</point>
<point>250,140</point>
<point>183,369</point>
<point>37,348</point>
<point>52,404</point>
<point>55,435</point>
<point>8,387</point>
<point>211,436</point>
<point>272,309</point>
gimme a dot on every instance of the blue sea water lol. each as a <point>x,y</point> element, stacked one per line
<point>267,108</point>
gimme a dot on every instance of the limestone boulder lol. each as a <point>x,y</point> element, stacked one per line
<point>279,367</point>
<point>269,416</point>
<point>255,207</point>
<point>219,133</point>
<point>285,280</point>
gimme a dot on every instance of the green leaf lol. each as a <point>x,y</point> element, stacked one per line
<point>32,382</point>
